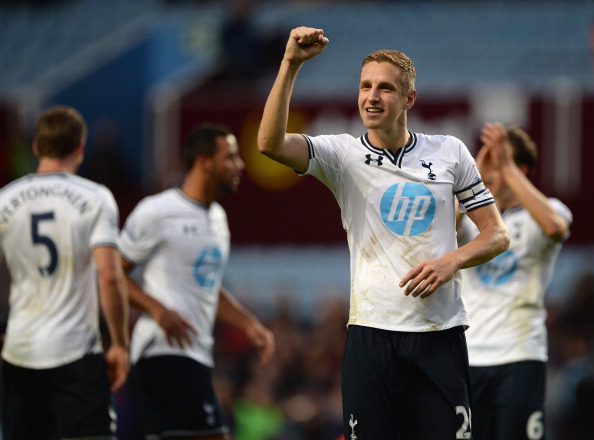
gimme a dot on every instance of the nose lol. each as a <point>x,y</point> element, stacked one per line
<point>373,94</point>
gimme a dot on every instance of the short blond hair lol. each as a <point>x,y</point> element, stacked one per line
<point>408,73</point>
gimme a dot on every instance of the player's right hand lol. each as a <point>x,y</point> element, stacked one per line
<point>118,366</point>
<point>305,43</point>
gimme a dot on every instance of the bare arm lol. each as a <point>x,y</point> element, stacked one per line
<point>493,238</point>
<point>232,313</point>
<point>273,139</point>
<point>177,329</point>
<point>496,141</point>
<point>114,304</point>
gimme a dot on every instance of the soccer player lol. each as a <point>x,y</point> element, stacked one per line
<point>58,233</point>
<point>180,239</point>
<point>507,338</point>
<point>405,371</point>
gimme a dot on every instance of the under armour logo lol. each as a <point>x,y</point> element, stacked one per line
<point>378,160</point>
<point>352,424</point>
<point>430,176</point>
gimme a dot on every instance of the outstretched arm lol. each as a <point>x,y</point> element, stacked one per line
<point>114,304</point>
<point>177,330</point>
<point>231,312</point>
<point>273,140</point>
<point>496,140</point>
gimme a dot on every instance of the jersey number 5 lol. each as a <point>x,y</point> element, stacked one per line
<point>44,241</point>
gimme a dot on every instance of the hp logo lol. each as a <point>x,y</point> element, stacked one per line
<point>407,209</point>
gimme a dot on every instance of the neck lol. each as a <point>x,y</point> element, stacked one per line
<point>197,189</point>
<point>51,165</point>
<point>389,141</point>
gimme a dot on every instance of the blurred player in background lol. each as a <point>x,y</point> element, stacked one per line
<point>507,338</point>
<point>180,241</point>
<point>56,228</point>
<point>405,371</point>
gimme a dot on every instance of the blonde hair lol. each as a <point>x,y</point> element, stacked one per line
<point>408,73</point>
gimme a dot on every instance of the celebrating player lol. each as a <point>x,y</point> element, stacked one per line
<point>405,372</point>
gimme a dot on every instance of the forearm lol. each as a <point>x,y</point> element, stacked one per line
<point>232,313</point>
<point>492,240</point>
<point>139,299</point>
<point>273,127</point>
<point>537,204</point>
<point>114,305</point>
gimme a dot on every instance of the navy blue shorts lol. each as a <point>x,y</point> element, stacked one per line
<point>70,401</point>
<point>406,386</point>
<point>509,401</point>
<point>177,398</point>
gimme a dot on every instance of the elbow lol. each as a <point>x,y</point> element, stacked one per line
<point>267,148</point>
<point>263,146</point>
<point>557,231</point>
<point>503,241</point>
<point>265,143</point>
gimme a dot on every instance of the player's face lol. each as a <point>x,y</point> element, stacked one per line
<point>227,164</point>
<point>381,99</point>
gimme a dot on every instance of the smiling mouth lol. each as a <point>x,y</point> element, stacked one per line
<point>374,110</point>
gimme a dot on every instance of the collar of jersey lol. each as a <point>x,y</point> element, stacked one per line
<point>395,158</point>
<point>190,200</point>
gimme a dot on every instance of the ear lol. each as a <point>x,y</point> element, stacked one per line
<point>410,99</point>
<point>202,163</point>
<point>80,148</point>
<point>35,149</point>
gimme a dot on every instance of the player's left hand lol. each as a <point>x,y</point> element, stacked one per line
<point>423,279</point>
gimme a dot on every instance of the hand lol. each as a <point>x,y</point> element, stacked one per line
<point>177,329</point>
<point>497,145</point>
<point>427,276</point>
<point>263,340</point>
<point>305,43</point>
<point>118,366</point>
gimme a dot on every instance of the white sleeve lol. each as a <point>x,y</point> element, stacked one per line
<point>140,234</point>
<point>469,188</point>
<point>326,154</point>
<point>106,228</point>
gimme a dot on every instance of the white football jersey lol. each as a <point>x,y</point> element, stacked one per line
<point>49,224</point>
<point>182,248</point>
<point>505,296</point>
<point>398,210</point>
